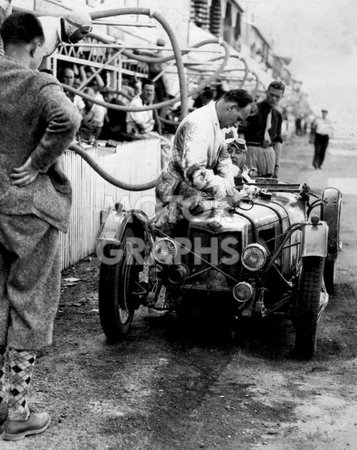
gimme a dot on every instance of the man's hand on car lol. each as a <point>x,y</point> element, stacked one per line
<point>235,198</point>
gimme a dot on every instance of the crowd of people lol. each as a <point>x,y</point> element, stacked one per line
<point>100,122</point>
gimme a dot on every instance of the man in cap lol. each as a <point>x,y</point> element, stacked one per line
<point>37,123</point>
<point>322,131</point>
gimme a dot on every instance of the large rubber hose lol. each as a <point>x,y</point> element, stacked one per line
<point>95,166</point>
<point>107,177</point>
<point>246,69</point>
<point>172,37</point>
<point>143,58</point>
<point>160,105</point>
<point>183,89</point>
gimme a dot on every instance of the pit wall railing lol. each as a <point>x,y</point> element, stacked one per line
<point>128,161</point>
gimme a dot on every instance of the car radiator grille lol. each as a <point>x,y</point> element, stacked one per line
<point>222,250</point>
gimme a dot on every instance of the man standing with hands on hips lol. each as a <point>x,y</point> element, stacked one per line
<point>37,123</point>
<point>262,133</point>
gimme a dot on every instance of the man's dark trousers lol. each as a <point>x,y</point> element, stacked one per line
<point>321,143</point>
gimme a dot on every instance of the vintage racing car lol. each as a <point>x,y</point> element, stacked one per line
<point>274,252</point>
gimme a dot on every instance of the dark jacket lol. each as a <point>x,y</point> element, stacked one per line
<point>254,127</point>
<point>37,119</point>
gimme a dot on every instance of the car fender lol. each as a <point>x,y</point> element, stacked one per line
<point>331,214</point>
<point>114,224</point>
<point>314,239</point>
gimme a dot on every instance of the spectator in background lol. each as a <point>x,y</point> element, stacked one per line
<point>136,85</point>
<point>142,122</point>
<point>298,126</point>
<point>157,75</point>
<point>262,133</point>
<point>92,118</point>
<point>93,80</point>
<point>146,124</point>
<point>77,82</point>
<point>127,90</point>
<point>206,96</point>
<point>155,70</point>
<point>218,90</point>
<point>102,110</point>
<point>68,78</point>
<point>322,131</point>
<point>305,124</point>
<point>114,127</point>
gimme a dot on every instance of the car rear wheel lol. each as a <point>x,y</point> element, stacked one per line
<point>117,285</point>
<point>308,305</point>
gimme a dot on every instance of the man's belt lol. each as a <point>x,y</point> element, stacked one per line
<point>256,144</point>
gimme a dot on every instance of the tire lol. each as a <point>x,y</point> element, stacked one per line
<point>330,275</point>
<point>331,214</point>
<point>116,300</point>
<point>308,305</point>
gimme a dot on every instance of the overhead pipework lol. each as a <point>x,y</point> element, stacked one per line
<point>180,65</point>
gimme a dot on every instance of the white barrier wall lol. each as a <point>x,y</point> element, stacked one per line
<point>132,162</point>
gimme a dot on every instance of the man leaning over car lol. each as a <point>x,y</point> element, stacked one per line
<point>200,168</point>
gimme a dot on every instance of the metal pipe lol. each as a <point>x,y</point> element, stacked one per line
<point>117,24</point>
<point>88,80</point>
<point>167,102</point>
<point>122,46</point>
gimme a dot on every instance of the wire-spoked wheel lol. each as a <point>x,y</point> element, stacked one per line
<point>118,288</point>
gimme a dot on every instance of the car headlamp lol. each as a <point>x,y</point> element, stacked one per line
<point>254,257</point>
<point>242,292</point>
<point>165,251</point>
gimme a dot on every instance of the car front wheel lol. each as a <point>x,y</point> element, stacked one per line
<point>117,285</point>
<point>308,305</point>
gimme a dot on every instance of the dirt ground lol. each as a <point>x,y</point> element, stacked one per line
<point>174,385</point>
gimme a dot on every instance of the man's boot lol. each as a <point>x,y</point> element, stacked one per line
<point>22,421</point>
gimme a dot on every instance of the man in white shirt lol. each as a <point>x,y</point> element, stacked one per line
<point>68,78</point>
<point>142,122</point>
<point>199,173</point>
<point>92,118</point>
<point>322,131</point>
